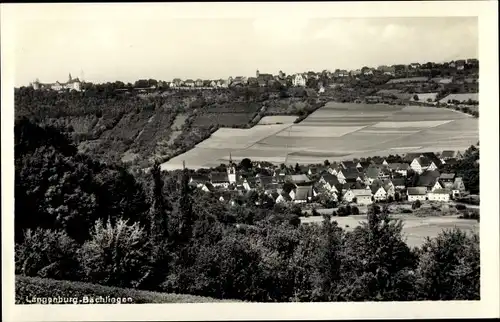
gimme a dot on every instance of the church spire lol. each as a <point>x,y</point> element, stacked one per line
<point>70,79</point>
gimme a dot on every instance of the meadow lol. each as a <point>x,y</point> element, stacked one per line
<point>415,229</point>
<point>338,131</point>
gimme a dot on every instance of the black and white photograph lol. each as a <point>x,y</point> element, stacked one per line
<point>173,153</point>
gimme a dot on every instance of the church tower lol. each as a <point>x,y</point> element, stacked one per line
<point>257,74</point>
<point>70,78</point>
<point>231,170</point>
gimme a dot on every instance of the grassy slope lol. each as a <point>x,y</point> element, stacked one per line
<point>29,287</point>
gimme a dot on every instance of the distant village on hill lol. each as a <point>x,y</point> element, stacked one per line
<point>414,82</point>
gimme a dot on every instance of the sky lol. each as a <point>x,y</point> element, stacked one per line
<point>129,43</point>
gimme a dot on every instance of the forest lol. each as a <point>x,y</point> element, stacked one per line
<point>79,218</point>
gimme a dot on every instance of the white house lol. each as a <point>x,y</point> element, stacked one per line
<point>442,195</point>
<point>219,180</point>
<point>329,182</point>
<point>421,164</point>
<point>363,196</point>
<point>302,194</point>
<point>379,193</point>
<point>417,193</point>
<point>437,186</point>
<point>299,80</point>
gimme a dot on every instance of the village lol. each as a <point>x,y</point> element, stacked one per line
<point>415,177</point>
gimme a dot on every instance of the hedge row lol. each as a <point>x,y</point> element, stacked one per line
<point>29,288</point>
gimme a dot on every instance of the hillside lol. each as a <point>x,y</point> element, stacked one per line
<point>138,129</point>
<point>29,287</point>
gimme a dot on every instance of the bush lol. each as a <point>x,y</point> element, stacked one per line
<point>406,211</point>
<point>416,204</point>
<point>354,210</point>
<point>470,215</point>
<point>29,287</point>
<point>460,207</point>
<point>46,253</point>
<point>115,255</point>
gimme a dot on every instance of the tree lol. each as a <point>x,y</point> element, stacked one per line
<point>287,187</point>
<point>297,168</point>
<point>246,164</point>
<point>416,204</point>
<point>415,97</point>
<point>377,264</point>
<point>47,253</point>
<point>326,163</point>
<point>115,255</point>
<point>449,267</point>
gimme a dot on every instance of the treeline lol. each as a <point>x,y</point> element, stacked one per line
<point>78,219</point>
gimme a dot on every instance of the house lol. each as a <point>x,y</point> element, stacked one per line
<point>213,84</point>
<point>226,196</point>
<point>361,165</point>
<point>312,171</point>
<point>409,157</point>
<point>459,185</point>
<point>360,196</point>
<point>250,184</point>
<point>378,192</point>
<point>329,182</point>
<point>297,178</point>
<point>189,83</point>
<point>417,193</point>
<point>389,188</point>
<point>197,180</point>
<point>442,195</point>
<point>345,174</point>
<point>198,83</point>
<point>460,64</point>
<point>283,198</point>
<point>176,82</point>
<point>263,77</point>
<point>374,172</point>
<point>422,163</point>
<point>219,179</point>
<point>207,187</point>
<point>400,168</point>
<point>299,80</point>
<point>429,182</point>
<point>449,154</point>
<point>399,183</point>
<point>348,164</point>
<point>238,81</point>
<point>302,194</point>
<point>363,179</point>
<point>221,83</point>
<point>447,179</point>
<point>334,169</point>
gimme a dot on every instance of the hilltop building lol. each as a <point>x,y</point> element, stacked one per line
<point>72,84</point>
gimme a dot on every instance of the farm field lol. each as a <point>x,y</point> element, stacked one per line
<point>277,119</point>
<point>460,97</point>
<point>336,132</point>
<point>415,229</point>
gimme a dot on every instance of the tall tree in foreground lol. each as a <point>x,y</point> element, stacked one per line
<point>449,267</point>
<point>377,265</point>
